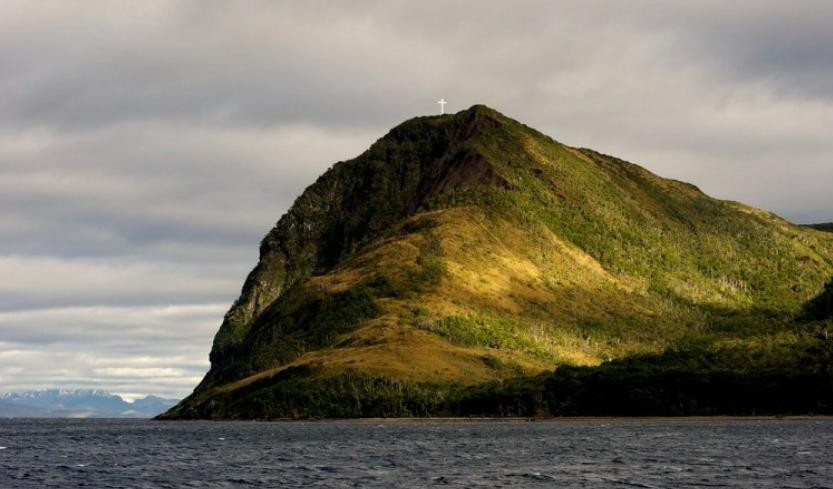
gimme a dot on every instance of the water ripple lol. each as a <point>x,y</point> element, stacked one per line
<point>575,453</point>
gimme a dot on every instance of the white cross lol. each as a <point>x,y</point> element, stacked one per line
<point>442,103</point>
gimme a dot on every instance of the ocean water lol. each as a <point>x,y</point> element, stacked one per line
<point>609,453</point>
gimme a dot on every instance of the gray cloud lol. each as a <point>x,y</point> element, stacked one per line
<point>130,350</point>
<point>145,148</point>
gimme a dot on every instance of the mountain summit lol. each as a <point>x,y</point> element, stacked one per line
<point>465,255</point>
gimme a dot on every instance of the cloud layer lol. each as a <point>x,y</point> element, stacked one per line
<point>146,147</point>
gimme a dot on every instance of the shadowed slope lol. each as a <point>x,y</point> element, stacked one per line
<point>821,307</point>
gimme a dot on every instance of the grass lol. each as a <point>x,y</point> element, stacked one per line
<point>482,332</point>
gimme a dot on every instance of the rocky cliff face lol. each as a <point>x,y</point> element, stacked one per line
<point>464,250</point>
<point>352,203</point>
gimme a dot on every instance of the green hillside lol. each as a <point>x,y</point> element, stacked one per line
<point>468,264</point>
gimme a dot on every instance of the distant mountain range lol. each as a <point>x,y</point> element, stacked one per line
<point>78,403</point>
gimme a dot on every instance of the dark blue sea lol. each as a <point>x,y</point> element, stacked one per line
<point>608,453</point>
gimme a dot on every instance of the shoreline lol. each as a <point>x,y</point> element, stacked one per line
<point>561,419</point>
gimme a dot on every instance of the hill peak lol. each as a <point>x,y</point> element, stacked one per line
<point>480,109</point>
<point>463,124</point>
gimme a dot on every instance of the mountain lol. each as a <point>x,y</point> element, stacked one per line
<point>150,405</point>
<point>465,263</point>
<point>11,409</point>
<point>78,403</point>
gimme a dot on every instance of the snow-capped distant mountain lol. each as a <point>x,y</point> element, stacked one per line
<point>79,403</point>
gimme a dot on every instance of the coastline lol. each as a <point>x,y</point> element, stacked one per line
<point>554,419</point>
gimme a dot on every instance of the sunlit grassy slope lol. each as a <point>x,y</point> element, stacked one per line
<point>464,250</point>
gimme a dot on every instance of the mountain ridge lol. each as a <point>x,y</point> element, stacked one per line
<point>50,403</point>
<point>467,249</point>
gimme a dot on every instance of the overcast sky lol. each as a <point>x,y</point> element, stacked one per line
<point>146,147</point>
